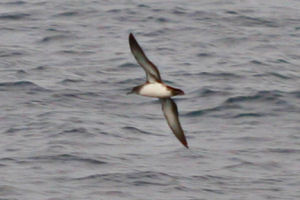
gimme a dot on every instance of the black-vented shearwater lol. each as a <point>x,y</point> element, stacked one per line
<point>155,87</point>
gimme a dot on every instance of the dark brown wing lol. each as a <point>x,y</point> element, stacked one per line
<point>171,114</point>
<point>151,70</point>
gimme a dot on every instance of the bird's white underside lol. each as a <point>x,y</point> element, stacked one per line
<point>155,89</point>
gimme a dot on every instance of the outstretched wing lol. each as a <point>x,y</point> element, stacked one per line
<point>151,70</point>
<point>169,108</point>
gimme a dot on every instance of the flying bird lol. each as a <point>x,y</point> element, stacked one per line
<point>155,87</point>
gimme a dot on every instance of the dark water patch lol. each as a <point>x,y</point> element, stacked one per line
<point>66,158</point>
<point>206,92</point>
<point>214,191</point>
<point>114,11</point>
<point>220,108</point>
<point>162,20</point>
<point>296,94</point>
<point>233,103</point>
<point>261,96</point>
<point>247,115</point>
<point>15,130</point>
<point>284,150</point>
<point>179,11</point>
<point>128,65</point>
<point>67,14</point>
<point>241,164</point>
<point>14,16</point>
<point>254,21</point>
<point>21,72</point>
<point>41,68</point>
<point>7,159</point>
<point>143,6</point>
<point>204,55</point>
<point>81,131</point>
<point>14,3</point>
<point>273,74</point>
<point>253,139</point>
<point>21,85</point>
<point>211,178</point>
<point>156,32</point>
<point>231,12</point>
<point>145,178</point>
<point>281,61</point>
<point>134,130</point>
<point>257,62</point>
<point>219,74</point>
<point>55,38</point>
<point>8,191</point>
<point>164,49</point>
<point>70,81</point>
<point>13,53</point>
<point>157,10</point>
<point>74,94</point>
<point>133,82</point>
<point>72,52</point>
<point>200,15</point>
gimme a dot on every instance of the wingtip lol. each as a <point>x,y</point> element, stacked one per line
<point>185,144</point>
<point>131,37</point>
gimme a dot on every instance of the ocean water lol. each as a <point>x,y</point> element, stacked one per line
<point>69,131</point>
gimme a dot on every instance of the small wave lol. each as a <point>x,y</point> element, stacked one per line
<point>204,55</point>
<point>179,11</point>
<point>9,53</point>
<point>253,139</point>
<point>273,74</point>
<point>133,178</point>
<point>114,11</point>
<point>14,16</point>
<point>220,74</point>
<point>209,110</point>
<point>15,3</point>
<point>155,32</point>
<point>72,52</point>
<point>282,61</point>
<point>266,96</point>
<point>67,158</point>
<point>234,103</point>
<point>134,130</point>
<point>21,85</point>
<point>231,12</point>
<point>74,94</point>
<point>296,94</point>
<point>254,21</point>
<point>74,130</point>
<point>70,81</point>
<point>162,20</point>
<point>127,65</point>
<point>284,150</point>
<point>205,92</point>
<point>54,38</point>
<point>67,14</point>
<point>242,115</point>
<point>257,62</point>
<point>21,72</point>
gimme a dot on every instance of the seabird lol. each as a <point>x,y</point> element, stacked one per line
<point>155,87</point>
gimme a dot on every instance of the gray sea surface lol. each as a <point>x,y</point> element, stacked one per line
<point>69,131</point>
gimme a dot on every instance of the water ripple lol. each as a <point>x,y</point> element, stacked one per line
<point>133,178</point>
<point>21,85</point>
<point>14,16</point>
<point>66,158</point>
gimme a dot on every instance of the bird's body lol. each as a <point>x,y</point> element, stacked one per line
<point>155,87</point>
